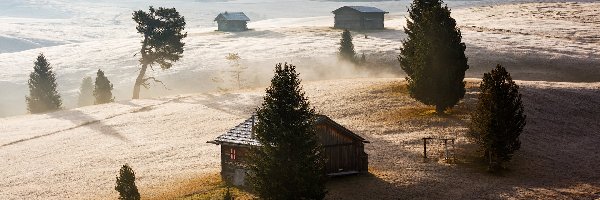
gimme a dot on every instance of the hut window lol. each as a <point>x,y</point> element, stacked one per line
<point>232,154</point>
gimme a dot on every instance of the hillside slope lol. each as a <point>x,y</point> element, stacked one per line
<point>77,153</point>
<point>534,41</point>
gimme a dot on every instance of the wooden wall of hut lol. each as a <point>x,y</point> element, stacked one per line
<point>226,25</point>
<point>343,153</point>
<point>233,164</point>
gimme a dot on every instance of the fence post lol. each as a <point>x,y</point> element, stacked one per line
<point>446,148</point>
<point>424,147</point>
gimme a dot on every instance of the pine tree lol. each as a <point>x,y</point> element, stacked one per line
<point>346,51</point>
<point>86,92</point>
<point>43,94</point>
<point>162,32</point>
<point>289,164</point>
<point>498,119</point>
<point>103,89</point>
<point>433,56</point>
<point>126,184</point>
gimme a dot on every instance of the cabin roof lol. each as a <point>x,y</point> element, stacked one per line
<point>242,133</point>
<point>232,16</point>
<point>361,9</point>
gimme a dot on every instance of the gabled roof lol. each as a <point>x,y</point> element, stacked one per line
<point>242,133</point>
<point>362,9</point>
<point>327,120</point>
<point>232,16</point>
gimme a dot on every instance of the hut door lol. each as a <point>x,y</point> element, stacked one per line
<point>239,177</point>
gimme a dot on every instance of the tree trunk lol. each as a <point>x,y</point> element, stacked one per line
<point>139,81</point>
<point>439,110</point>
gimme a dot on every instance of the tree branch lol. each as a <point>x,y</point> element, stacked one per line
<point>147,85</point>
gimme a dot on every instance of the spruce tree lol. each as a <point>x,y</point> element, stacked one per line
<point>86,92</point>
<point>498,119</point>
<point>363,59</point>
<point>289,163</point>
<point>162,30</point>
<point>43,94</point>
<point>102,89</point>
<point>126,184</point>
<point>433,55</point>
<point>346,51</point>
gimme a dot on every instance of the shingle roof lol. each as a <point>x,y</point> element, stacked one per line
<point>363,9</point>
<point>242,133</point>
<point>232,16</point>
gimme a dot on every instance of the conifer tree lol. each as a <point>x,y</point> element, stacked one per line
<point>126,184</point>
<point>43,94</point>
<point>363,59</point>
<point>289,163</point>
<point>86,92</point>
<point>498,119</point>
<point>433,55</point>
<point>103,89</point>
<point>346,51</point>
<point>162,30</point>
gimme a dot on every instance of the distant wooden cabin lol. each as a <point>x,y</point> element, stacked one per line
<point>232,21</point>
<point>359,18</point>
<point>344,150</point>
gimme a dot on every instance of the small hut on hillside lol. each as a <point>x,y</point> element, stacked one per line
<point>232,21</point>
<point>343,149</point>
<point>359,18</point>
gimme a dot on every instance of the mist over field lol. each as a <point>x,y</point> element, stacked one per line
<point>79,37</point>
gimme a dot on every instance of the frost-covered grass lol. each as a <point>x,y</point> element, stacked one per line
<point>209,187</point>
<point>77,153</point>
<point>79,37</point>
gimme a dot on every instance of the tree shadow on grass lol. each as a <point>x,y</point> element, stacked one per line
<point>83,120</point>
<point>361,186</point>
<point>129,103</point>
<point>534,65</point>
<point>79,119</point>
<point>558,157</point>
<point>228,103</point>
<point>557,160</point>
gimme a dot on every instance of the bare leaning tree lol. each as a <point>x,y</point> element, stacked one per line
<point>236,68</point>
<point>162,30</point>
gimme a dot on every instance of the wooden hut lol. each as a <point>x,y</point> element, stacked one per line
<point>343,149</point>
<point>232,21</point>
<point>359,18</point>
